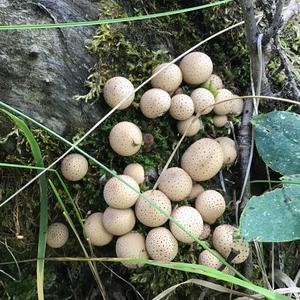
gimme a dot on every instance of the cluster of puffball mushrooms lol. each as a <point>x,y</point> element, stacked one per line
<point>200,162</point>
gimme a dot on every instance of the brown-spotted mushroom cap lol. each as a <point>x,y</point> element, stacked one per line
<point>208,259</point>
<point>203,100</point>
<point>203,159</point>
<point>211,205</point>
<point>74,167</point>
<point>224,242</point>
<point>193,123</point>
<point>220,121</point>
<point>216,81</point>
<point>236,106</point>
<point>182,107</point>
<point>95,231</point>
<point>229,149</point>
<point>118,195</point>
<point>154,103</point>
<point>197,189</point>
<point>192,221</point>
<point>131,245</point>
<point>196,68</point>
<point>223,108</point>
<point>161,244</point>
<point>118,221</point>
<point>116,90</point>
<point>175,183</point>
<point>125,138</point>
<point>57,235</point>
<point>206,232</point>
<point>135,171</point>
<point>169,79</point>
<point>149,215</point>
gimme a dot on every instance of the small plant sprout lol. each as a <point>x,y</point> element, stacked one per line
<point>190,218</point>
<point>95,231</point>
<point>203,159</point>
<point>229,149</point>
<point>149,215</point>
<point>161,244</point>
<point>197,189</point>
<point>194,128</point>
<point>182,107</point>
<point>220,121</point>
<point>196,68</point>
<point>118,221</point>
<point>125,138</point>
<point>203,101</point>
<point>74,167</point>
<point>155,103</point>
<point>206,232</point>
<point>131,245</point>
<point>168,80</point>
<point>135,171</point>
<point>57,235</point>
<point>118,195</point>
<point>116,89</point>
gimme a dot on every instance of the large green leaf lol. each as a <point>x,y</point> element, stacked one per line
<point>277,138</point>
<point>273,216</point>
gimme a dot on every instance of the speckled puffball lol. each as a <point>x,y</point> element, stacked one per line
<point>209,260</point>
<point>182,107</point>
<point>149,215</point>
<point>161,244</point>
<point>116,89</point>
<point>118,195</point>
<point>131,245</point>
<point>206,232</point>
<point>175,183</point>
<point>197,189</point>
<point>203,159</point>
<point>155,103</point>
<point>196,68</point>
<point>216,81</point>
<point>223,108</point>
<point>229,149</point>
<point>57,235</point>
<point>203,100</point>
<point>125,138</point>
<point>190,218</point>
<point>135,171</point>
<point>74,167</point>
<point>194,128</point>
<point>220,121</point>
<point>168,80</point>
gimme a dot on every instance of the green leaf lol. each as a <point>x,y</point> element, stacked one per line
<point>277,138</point>
<point>273,216</point>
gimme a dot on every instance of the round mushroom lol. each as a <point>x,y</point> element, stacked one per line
<point>211,205</point>
<point>131,245</point>
<point>118,221</point>
<point>193,123</point>
<point>154,103</point>
<point>203,159</point>
<point>190,219</point>
<point>149,215</point>
<point>229,149</point>
<point>169,79</point>
<point>236,106</point>
<point>208,259</point>
<point>215,81</point>
<point>206,232</point>
<point>196,68</point>
<point>118,195</point>
<point>203,100</point>
<point>95,231</point>
<point>135,171</point>
<point>223,108</point>
<point>161,244</point>
<point>220,121</point>
<point>182,107</point>
<point>74,167</point>
<point>118,89</point>
<point>125,138</point>
<point>197,189</point>
<point>57,235</point>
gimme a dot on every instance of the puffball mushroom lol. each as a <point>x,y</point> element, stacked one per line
<point>154,103</point>
<point>236,106</point>
<point>193,123</point>
<point>175,183</point>
<point>57,235</point>
<point>135,171</point>
<point>131,245</point>
<point>220,121</point>
<point>211,205</point>
<point>206,232</point>
<point>190,218</point>
<point>182,107</point>
<point>216,81</point>
<point>208,259</point>
<point>203,159</point>
<point>74,167</point>
<point>203,100</point>
<point>118,221</point>
<point>95,231</point>
<point>149,215</point>
<point>116,90</point>
<point>223,108</point>
<point>125,138</point>
<point>161,244</point>
<point>224,242</point>
<point>118,195</point>
<point>196,68</point>
<point>169,79</point>
<point>229,149</point>
<point>197,189</point>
